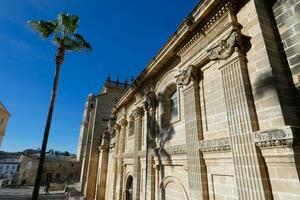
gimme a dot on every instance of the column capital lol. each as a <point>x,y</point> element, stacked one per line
<point>136,113</point>
<point>150,101</point>
<point>187,76</point>
<point>123,122</point>
<point>226,47</point>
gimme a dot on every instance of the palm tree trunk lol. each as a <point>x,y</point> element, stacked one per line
<point>59,60</point>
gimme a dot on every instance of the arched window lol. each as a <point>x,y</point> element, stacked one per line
<point>174,105</point>
<point>169,106</point>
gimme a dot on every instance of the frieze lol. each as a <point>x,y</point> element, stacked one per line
<point>207,32</point>
<point>215,145</point>
<point>168,151</point>
<point>275,137</point>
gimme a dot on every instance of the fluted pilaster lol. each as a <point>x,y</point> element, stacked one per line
<point>249,170</point>
<point>188,79</point>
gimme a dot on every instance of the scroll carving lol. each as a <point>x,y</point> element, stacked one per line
<point>225,48</point>
<point>274,137</point>
<point>187,76</point>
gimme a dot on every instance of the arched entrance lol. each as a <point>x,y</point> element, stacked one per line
<point>129,188</point>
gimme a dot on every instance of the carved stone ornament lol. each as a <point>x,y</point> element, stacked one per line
<point>172,150</point>
<point>123,122</point>
<point>225,48</point>
<point>105,140</point>
<point>187,76</point>
<point>150,101</point>
<point>274,137</point>
<point>137,112</point>
<point>216,145</point>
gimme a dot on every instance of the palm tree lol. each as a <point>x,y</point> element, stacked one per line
<point>63,32</point>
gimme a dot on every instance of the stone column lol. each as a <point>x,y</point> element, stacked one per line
<point>137,116</point>
<point>102,166</point>
<point>188,79</point>
<point>150,109</point>
<point>115,165</point>
<point>120,173</point>
<point>249,168</point>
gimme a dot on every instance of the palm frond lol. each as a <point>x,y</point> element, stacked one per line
<point>77,43</point>
<point>44,28</point>
<point>69,23</point>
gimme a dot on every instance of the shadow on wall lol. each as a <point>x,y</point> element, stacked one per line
<point>158,134</point>
<point>280,76</point>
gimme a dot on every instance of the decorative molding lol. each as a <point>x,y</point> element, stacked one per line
<point>215,145</point>
<point>206,33</point>
<point>225,48</point>
<point>172,150</point>
<point>275,137</point>
<point>187,76</point>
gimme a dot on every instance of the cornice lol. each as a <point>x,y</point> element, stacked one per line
<point>169,49</point>
<point>202,32</point>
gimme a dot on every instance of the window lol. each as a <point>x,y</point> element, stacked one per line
<point>169,109</point>
<point>131,127</point>
<point>174,105</point>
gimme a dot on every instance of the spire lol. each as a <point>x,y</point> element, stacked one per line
<point>118,81</point>
<point>131,79</point>
<point>108,77</point>
<point>126,82</point>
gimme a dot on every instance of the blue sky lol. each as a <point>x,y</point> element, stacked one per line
<point>125,36</point>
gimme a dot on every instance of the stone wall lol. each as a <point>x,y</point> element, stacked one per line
<point>235,136</point>
<point>287,16</point>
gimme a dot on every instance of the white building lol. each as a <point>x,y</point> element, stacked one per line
<point>8,168</point>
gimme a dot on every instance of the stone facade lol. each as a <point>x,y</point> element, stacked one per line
<point>4,117</point>
<point>60,169</point>
<point>215,115</point>
<point>95,123</point>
